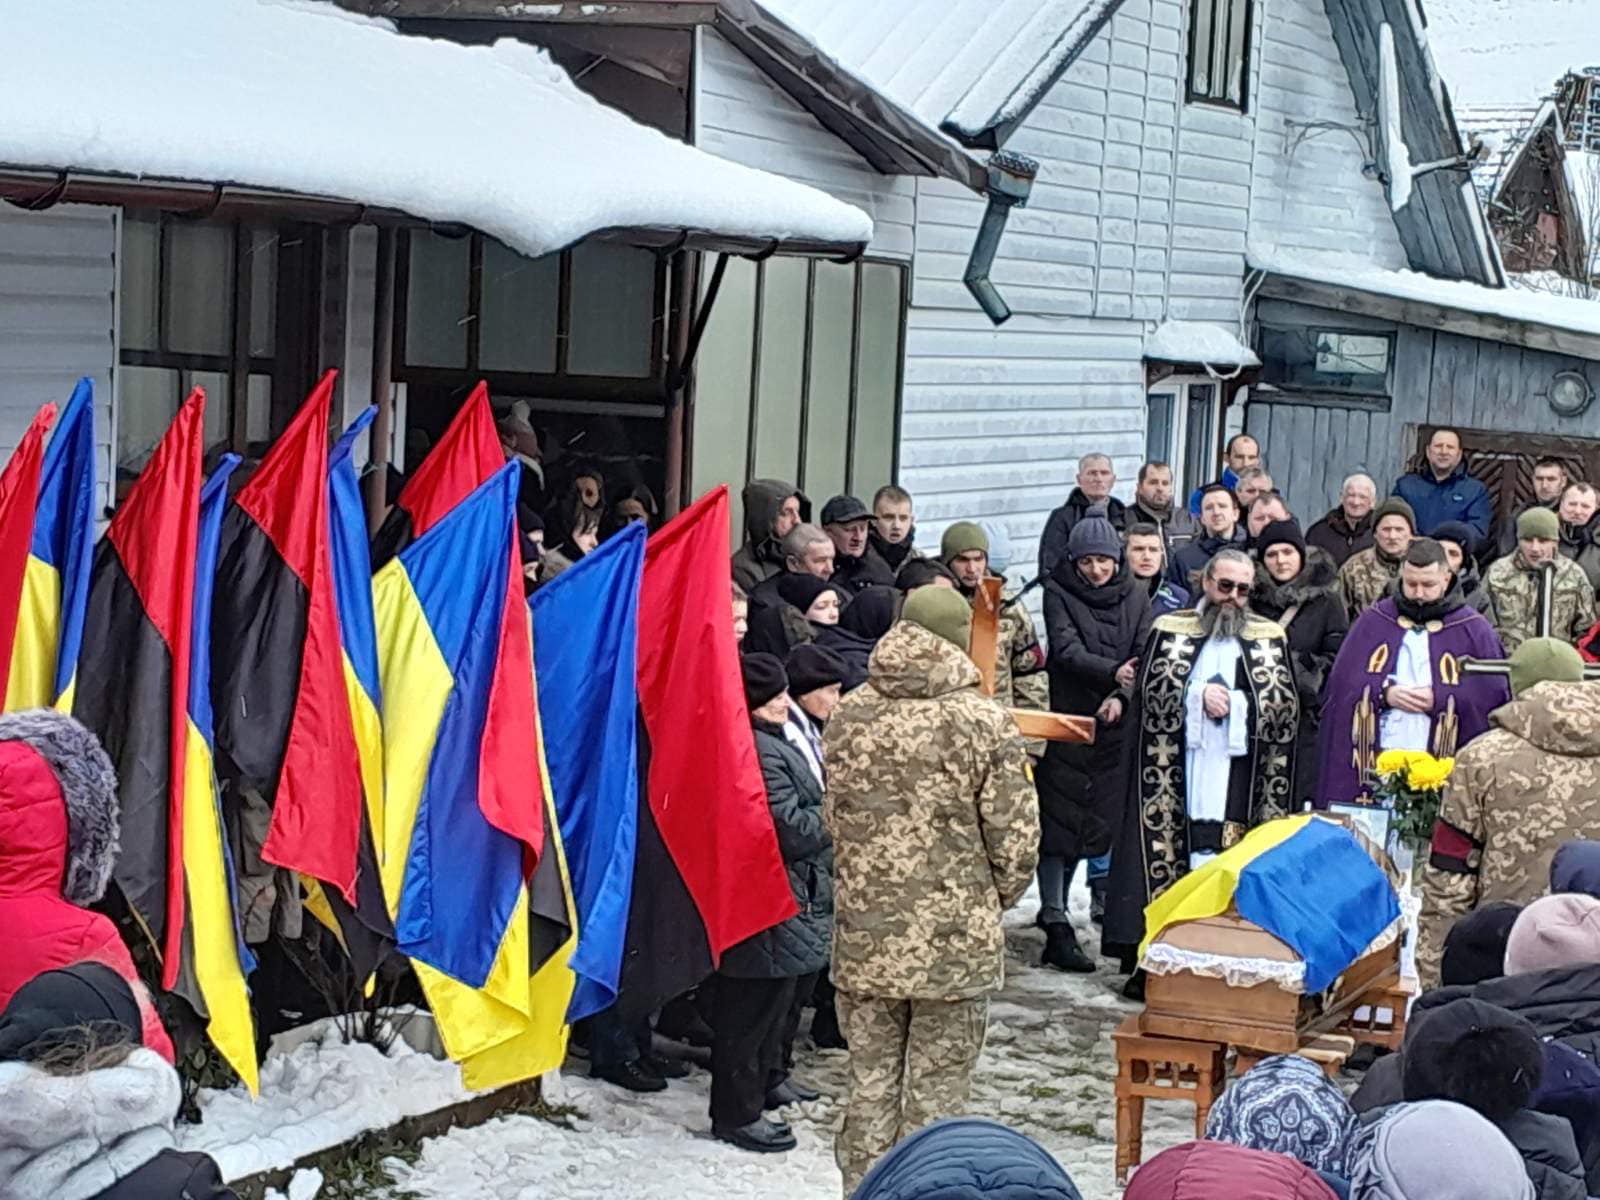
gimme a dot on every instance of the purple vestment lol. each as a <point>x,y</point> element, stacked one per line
<point>1352,707</point>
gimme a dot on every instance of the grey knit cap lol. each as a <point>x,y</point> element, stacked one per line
<point>1094,534</point>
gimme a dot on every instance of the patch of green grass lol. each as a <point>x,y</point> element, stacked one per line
<point>1043,1091</point>
<point>1082,1129</point>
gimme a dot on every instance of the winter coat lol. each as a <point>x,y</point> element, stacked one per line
<point>799,946</point>
<point>1186,565</point>
<point>759,557</point>
<point>105,1134</point>
<point>861,626</point>
<point>967,1158</point>
<point>1178,527</point>
<point>1366,578</point>
<point>894,554</point>
<point>1338,538</point>
<point>1221,1171</point>
<point>1316,631</point>
<point>1165,596</point>
<point>1581,543</point>
<point>1053,542</point>
<point>58,845</point>
<point>1092,631</point>
<point>777,628</point>
<point>1472,593</point>
<point>1458,497</point>
<point>935,824</point>
<point>855,575</point>
<point>1514,601</point>
<point>1519,792</point>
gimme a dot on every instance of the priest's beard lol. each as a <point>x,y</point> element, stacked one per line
<point>1423,611</point>
<point>1221,620</point>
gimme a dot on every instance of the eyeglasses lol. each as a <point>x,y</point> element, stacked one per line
<point>1229,587</point>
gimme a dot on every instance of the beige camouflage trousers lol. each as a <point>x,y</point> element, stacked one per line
<point>911,1063</point>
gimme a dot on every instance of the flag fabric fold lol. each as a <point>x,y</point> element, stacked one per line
<point>585,643</point>
<point>134,673</point>
<point>471,857</point>
<point>19,500</point>
<point>55,590</point>
<point>284,728</point>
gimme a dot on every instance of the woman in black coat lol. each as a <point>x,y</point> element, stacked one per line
<point>1299,588</point>
<point>1097,619</point>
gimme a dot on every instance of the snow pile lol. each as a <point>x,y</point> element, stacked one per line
<point>1396,154</point>
<point>1514,304</point>
<point>1198,342</point>
<point>1511,51</point>
<point>322,1092</point>
<point>283,97</point>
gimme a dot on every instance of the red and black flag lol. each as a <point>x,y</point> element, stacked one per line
<point>284,730</point>
<point>466,456</point>
<point>134,673</point>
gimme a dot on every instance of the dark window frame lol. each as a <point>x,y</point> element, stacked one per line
<point>1217,97</point>
<point>1326,393</point>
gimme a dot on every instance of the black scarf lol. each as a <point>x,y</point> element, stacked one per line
<point>1108,595</point>
<point>893,553</point>
<point>1421,613</point>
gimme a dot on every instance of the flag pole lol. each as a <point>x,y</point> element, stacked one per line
<point>382,379</point>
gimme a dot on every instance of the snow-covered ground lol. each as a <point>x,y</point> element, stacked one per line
<point>1047,1070</point>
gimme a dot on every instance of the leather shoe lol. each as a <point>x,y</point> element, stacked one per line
<point>634,1076</point>
<point>761,1136</point>
<point>790,1092</point>
<point>667,1068</point>
<point>1061,951</point>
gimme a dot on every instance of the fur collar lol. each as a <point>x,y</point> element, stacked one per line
<point>1319,577</point>
<point>70,1137</point>
<point>88,785</point>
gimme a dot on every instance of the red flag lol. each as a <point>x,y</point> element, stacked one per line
<point>466,456</point>
<point>705,785</point>
<point>19,497</point>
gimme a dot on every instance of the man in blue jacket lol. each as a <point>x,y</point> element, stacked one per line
<point>1443,491</point>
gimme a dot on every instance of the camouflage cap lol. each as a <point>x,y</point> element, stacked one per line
<point>1539,522</point>
<point>942,612</point>
<point>1540,659</point>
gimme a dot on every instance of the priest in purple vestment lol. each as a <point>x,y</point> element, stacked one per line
<point>1397,683</point>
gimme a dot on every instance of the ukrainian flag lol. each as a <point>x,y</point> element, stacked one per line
<point>55,589</point>
<point>19,499</point>
<point>471,854</point>
<point>1304,879</point>
<point>217,960</point>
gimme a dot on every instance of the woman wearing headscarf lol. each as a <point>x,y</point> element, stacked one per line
<point>861,626</point>
<point>1287,1105</point>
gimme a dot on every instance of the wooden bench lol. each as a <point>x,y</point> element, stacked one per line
<point>1161,1068</point>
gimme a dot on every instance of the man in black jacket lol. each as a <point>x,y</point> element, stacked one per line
<point>1550,479</point>
<point>1096,478</point>
<point>1347,529</point>
<point>856,565</point>
<point>1153,504</point>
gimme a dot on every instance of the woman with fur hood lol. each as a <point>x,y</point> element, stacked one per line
<point>1299,588</point>
<point>58,844</point>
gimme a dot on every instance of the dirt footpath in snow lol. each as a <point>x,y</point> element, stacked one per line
<point>1047,1069</point>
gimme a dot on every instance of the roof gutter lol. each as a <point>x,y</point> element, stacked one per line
<point>1010,180</point>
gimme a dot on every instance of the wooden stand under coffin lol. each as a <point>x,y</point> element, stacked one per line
<point>1262,1017</point>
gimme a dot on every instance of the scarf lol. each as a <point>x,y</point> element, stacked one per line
<point>1286,1105</point>
<point>1420,612</point>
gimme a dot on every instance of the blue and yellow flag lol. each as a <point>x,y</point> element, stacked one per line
<point>55,588</point>
<point>216,958</point>
<point>470,852</point>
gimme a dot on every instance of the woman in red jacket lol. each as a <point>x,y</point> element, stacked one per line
<point>58,844</point>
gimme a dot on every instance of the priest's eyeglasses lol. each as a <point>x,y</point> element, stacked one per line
<point>1229,586</point>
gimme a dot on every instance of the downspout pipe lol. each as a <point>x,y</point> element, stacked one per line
<point>1010,181</point>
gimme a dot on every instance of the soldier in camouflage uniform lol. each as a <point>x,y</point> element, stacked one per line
<point>1367,575</point>
<point>1519,792</point>
<point>936,833</point>
<point>1513,585</point>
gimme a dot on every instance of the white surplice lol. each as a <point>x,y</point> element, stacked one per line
<point>1413,667</point>
<point>1211,746</point>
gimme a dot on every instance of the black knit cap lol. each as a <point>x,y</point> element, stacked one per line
<point>764,678</point>
<point>88,1003</point>
<point>1475,1053</point>
<point>1459,532</point>
<point>801,590</point>
<point>811,667</point>
<point>1475,947</point>
<point>1277,532</point>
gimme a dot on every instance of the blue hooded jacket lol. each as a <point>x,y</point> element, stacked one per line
<point>1576,868</point>
<point>1457,497</point>
<point>967,1159</point>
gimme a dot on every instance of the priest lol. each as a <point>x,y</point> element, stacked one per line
<point>1398,684</point>
<point>1214,717</point>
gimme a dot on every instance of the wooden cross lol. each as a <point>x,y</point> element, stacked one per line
<point>1501,666</point>
<point>984,649</point>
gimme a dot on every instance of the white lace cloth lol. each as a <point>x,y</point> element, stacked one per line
<point>1240,972</point>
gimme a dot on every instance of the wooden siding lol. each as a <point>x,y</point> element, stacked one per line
<point>1439,378</point>
<point>57,296</point>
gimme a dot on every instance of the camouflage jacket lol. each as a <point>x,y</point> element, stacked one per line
<point>935,824</point>
<point>1518,792</point>
<point>1364,580</point>
<point>1514,601</point>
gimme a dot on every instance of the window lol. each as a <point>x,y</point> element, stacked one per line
<point>1338,361</point>
<point>1181,428</point>
<point>798,376</point>
<point>1219,52</point>
<point>199,306</point>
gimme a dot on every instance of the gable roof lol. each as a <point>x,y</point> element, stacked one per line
<point>1505,131</point>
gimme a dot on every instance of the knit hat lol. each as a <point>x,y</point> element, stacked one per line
<point>1576,868</point>
<point>1475,947</point>
<point>811,667</point>
<point>1395,507</point>
<point>801,590</point>
<point>961,537</point>
<point>1539,660</point>
<point>1474,1053</point>
<point>1287,1105</point>
<point>1555,931</point>
<point>919,572</point>
<point>1281,532</point>
<point>1436,1150</point>
<point>1539,522</point>
<point>1094,534</point>
<point>88,1003</point>
<point>841,509</point>
<point>872,612</point>
<point>1460,533</point>
<point>940,611</point>
<point>764,678</point>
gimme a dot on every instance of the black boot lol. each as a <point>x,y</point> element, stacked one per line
<point>667,1068</point>
<point>1097,900</point>
<point>790,1092</point>
<point>1061,950</point>
<point>1134,988</point>
<point>635,1076</point>
<point>759,1137</point>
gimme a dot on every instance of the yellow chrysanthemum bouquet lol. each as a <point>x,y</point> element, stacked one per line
<point>1411,782</point>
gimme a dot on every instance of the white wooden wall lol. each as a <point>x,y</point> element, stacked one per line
<point>57,296</point>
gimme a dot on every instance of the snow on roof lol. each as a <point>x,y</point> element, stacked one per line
<point>1513,304</point>
<point>1511,51</point>
<point>1503,129</point>
<point>961,65</point>
<point>1198,342</point>
<point>288,98</point>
